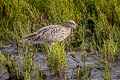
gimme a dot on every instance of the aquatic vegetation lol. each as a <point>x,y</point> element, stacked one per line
<point>21,17</point>
<point>107,73</point>
<point>11,67</point>
<point>57,59</point>
<point>23,65</point>
<point>83,73</point>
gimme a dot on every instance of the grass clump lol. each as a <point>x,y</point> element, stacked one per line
<point>21,17</point>
<point>57,59</point>
<point>107,73</point>
<point>1,45</point>
<point>11,67</point>
<point>110,49</point>
<point>23,67</point>
<point>26,62</point>
<point>83,73</point>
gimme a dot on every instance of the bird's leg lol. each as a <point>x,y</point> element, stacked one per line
<point>18,47</point>
<point>50,48</point>
<point>35,46</point>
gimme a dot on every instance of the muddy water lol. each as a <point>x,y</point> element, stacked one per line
<point>74,59</point>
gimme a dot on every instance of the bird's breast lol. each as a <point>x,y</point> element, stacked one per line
<point>66,32</point>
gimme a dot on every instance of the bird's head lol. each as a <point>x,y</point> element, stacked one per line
<point>72,24</point>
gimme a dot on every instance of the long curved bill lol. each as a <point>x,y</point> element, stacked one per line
<point>86,30</point>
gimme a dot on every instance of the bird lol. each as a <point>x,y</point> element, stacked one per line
<point>49,34</point>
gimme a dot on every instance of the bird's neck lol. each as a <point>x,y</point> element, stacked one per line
<point>67,26</point>
<point>68,29</point>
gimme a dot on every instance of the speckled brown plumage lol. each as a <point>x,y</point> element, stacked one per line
<point>48,34</point>
<point>51,33</point>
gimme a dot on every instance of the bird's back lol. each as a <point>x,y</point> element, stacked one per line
<point>48,34</point>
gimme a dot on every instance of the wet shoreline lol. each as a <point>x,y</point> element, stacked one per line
<point>74,59</point>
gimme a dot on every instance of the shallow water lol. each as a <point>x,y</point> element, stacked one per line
<point>73,61</point>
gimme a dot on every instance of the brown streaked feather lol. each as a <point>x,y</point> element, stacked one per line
<point>48,34</point>
<point>29,37</point>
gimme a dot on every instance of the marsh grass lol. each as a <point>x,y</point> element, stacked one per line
<point>84,55</point>
<point>110,49</point>
<point>11,67</point>
<point>1,73</point>
<point>83,73</point>
<point>23,68</point>
<point>19,18</point>
<point>57,59</point>
<point>107,71</point>
<point>1,44</point>
<point>94,48</point>
<point>27,60</point>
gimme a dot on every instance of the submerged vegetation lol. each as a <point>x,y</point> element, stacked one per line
<point>21,17</point>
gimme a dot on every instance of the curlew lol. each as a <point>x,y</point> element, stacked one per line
<point>49,34</point>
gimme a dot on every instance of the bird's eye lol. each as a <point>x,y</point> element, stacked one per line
<point>72,23</point>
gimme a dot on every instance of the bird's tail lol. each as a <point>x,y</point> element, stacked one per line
<point>29,37</point>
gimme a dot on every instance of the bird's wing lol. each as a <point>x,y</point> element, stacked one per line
<point>29,37</point>
<point>49,34</point>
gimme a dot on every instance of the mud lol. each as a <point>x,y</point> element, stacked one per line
<point>74,59</point>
